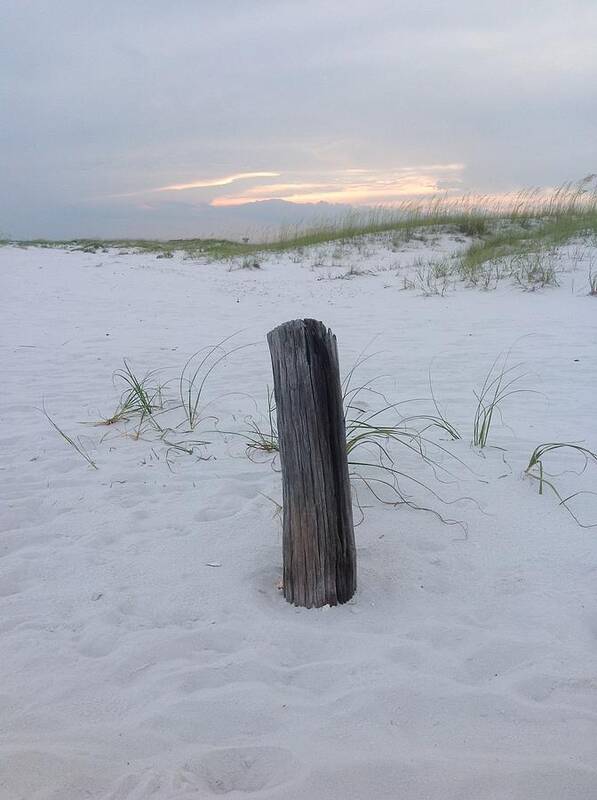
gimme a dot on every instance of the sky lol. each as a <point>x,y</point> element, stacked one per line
<point>146,117</point>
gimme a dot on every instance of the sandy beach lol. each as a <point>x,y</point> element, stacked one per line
<point>147,651</point>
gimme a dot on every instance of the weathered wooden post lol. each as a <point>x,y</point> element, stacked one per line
<point>318,541</point>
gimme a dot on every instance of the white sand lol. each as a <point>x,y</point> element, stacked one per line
<point>464,669</point>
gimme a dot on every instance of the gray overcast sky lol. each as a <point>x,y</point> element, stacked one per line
<point>109,110</point>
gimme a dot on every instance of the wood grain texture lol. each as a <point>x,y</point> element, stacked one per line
<point>318,542</point>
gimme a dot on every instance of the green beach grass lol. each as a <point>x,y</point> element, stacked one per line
<point>527,222</point>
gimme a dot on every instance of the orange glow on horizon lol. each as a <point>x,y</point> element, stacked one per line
<point>276,188</point>
<point>361,193</point>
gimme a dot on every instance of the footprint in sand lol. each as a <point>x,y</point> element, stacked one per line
<point>232,498</point>
<point>97,643</point>
<point>138,787</point>
<point>493,661</point>
<point>218,772</point>
<point>560,690</point>
<point>405,655</point>
<point>244,769</point>
<point>422,545</point>
<point>13,581</point>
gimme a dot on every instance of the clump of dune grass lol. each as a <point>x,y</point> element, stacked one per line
<point>162,417</point>
<point>353,272</point>
<point>248,263</point>
<point>371,433</point>
<point>263,439</point>
<point>536,222</point>
<point>500,383</point>
<point>533,271</point>
<point>139,399</point>
<point>76,444</point>
<point>432,277</point>
<point>194,376</point>
<point>439,420</point>
<point>474,225</point>
<point>536,470</point>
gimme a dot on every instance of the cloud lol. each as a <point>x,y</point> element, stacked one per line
<point>97,105</point>
<point>205,183</point>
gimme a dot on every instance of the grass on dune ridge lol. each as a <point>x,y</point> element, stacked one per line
<point>521,223</point>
